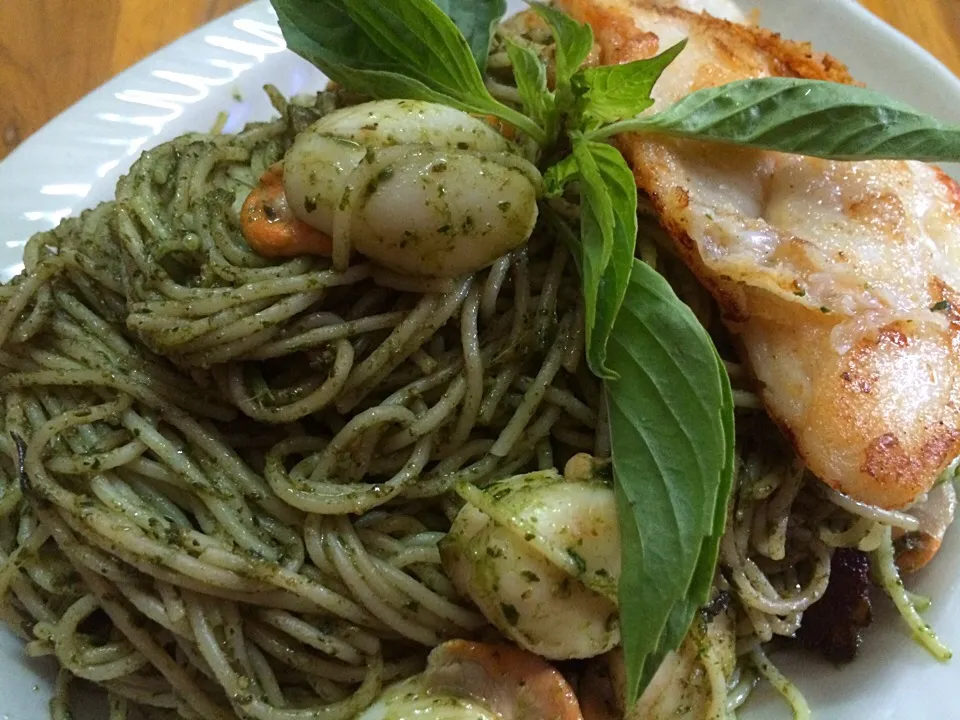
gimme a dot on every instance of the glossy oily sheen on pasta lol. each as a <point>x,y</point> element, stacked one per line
<point>371,478</point>
<point>162,394</point>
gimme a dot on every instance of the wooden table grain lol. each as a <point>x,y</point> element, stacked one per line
<point>53,52</point>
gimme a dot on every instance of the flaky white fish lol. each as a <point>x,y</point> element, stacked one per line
<point>839,280</point>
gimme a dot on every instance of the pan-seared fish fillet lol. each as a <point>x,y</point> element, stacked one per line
<point>839,279</point>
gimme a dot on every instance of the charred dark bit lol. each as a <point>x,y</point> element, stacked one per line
<point>908,542</point>
<point>21,446</point>
<point>834,625</point>
<point>29,490</point>
<point>271,212</point>
<point>718,604</point>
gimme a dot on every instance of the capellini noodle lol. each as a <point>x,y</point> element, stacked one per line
<point>224,479</point>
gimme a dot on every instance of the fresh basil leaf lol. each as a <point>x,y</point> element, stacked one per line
<point>805,117</point>
<point>608,238</point>
<point>530,74</point>
<point>701,584</point>
<point>671,431</point>
<point>476,20</point>
<point>703,576</point>
<point>572,45</point>
<point>404,48</point>
<point>413,38</point>
<point>557,176</point>
<point>612,92</point>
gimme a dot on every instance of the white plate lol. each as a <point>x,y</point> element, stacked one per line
<point>75,160</point>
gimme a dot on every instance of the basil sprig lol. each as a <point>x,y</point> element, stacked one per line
<point>572,44</point>
<point>804,117</point>
<point>614,92</point>
<point>668,396</point>
<point>670,409</point>
<point>530,75</point>
<point>608,237</point>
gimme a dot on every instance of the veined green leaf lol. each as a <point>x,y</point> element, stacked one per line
<point>404,48</point>
<point>573,43</point>
<point>612,92</point>
<point>671,426</point>
<point>608,238</point>
<point>530,74</point>
<point>710,551</point>
<point>684,610</point>
<point>557,176</point>
<point>476,20</point>
<point>413,38</point>
<point>806,117</point>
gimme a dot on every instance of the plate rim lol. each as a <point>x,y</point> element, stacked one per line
<point>156,59</point>
<point>107,98</point>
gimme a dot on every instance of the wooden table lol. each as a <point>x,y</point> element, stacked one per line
<point>52,52</point>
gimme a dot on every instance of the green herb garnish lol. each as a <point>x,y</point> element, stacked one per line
<point>608,236</point>
<point>614,92</point>
<point>476,22</point>
<point>404,49</point>
<point>671,426</point>
<point>805,117</point>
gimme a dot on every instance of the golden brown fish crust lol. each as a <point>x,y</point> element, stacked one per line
<point>838,279</point>
<point>740,49</point>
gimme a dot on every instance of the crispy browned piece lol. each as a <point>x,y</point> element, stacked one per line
<point>839,280</point>
<point>833,625</point>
